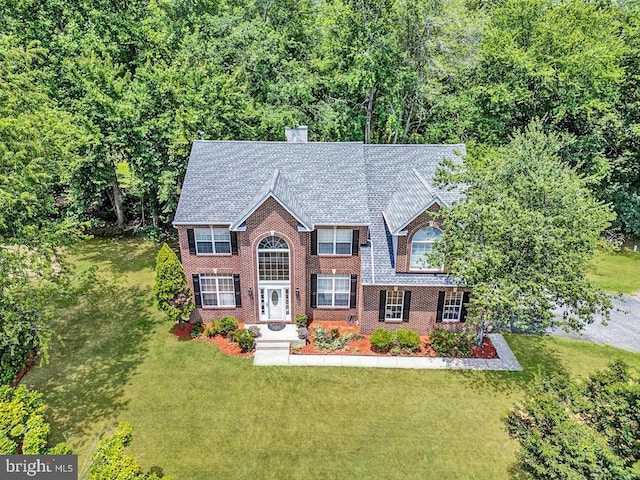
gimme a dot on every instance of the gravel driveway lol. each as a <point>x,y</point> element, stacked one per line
<point>623,331</point>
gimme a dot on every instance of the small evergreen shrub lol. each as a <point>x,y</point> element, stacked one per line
<point>228,325</point>
<point>381,340</point>
<point>302,320</point>
<point>196,330</point>
<point>212,329</point>
<point>408,340</point>
<point>246,339</point>
<point>450,344</point>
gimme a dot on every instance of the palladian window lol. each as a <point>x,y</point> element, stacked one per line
<point>421,246</point>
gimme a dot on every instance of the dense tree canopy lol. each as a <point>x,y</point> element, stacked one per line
<point>139,80</point>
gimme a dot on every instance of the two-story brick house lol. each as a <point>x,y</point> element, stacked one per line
<point>269,230</point>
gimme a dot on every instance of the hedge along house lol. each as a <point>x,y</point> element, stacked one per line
<point>337,231</point>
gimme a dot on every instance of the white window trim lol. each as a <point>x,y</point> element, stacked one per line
<point>458,306</point>
<point>217,292</point>
<point>386,308</point>
<point>333,279</point>
<point>427,242</point>
<point>213,241</point>
<point>335,243</point>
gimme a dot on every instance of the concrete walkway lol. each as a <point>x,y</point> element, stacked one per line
<point>281,357</point>
<point>623,331</point>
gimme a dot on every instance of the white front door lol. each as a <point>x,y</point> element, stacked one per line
<point>275,303</point>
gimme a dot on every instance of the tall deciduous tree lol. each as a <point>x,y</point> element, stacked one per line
<point>524,235</point>
<point>555,60</point>
<point>38,141</point>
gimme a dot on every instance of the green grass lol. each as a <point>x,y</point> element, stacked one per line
<point>618,272</point>
<point>200,415</point>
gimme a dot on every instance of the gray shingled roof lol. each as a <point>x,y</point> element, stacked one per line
<point>327,181</point>
<point>320,184</point>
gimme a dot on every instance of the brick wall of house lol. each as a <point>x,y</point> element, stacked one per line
<point>422,314</point>
<point>403,256</point>
<point>270,218</point>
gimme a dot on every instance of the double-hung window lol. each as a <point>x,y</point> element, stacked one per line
<point>334,241</point>
<point>212,240</point>
<point>394,305</point>
<point>333,290</point>
<point>452,308</point>
<point>217,291</point>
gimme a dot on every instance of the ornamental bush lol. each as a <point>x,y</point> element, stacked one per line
<point>302,320</point>
<point>408,340</point>
<point>212,329</point>
<point>382,340</point>
<point>228,325</point>
<point>450,344</point>
<point>246,339</point>
<point>170,288</point>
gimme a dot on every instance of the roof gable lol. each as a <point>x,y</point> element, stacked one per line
<point>277,188</point>
<point>414,196</point>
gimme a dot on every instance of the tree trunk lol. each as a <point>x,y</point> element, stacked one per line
<point>116,199</point>
<point>367,130</point>
<point>480,336</point>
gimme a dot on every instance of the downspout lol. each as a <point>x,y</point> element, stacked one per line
<point>373,270</point>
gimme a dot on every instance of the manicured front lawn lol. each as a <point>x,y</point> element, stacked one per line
<point>200,415</point>
<point>618,272</point>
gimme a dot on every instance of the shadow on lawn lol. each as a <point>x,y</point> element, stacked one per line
<point>537,357</point>
<point>104,331</point>
<point>125,254</point>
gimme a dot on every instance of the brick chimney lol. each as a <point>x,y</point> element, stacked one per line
<point>299,134</point>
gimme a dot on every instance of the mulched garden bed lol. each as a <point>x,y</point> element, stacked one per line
<point>363,346</point>
<point>356,347</point>
<point>225,345</point>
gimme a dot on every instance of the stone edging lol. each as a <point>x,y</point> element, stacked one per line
<point>506,361</point>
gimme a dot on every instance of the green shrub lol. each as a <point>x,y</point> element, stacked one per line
<point>170,288</point>
<point>408,340</point>
<point>246,339</point>
<point>330,341</point>
<point>212,329</point>
<point>450,344</point>
<point>228,325</point>
<point>196,330</point>
<point>381,340</point>
<point>302,320</point>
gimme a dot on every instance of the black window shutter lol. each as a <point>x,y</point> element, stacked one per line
<point>440,306</point>
<point>354,290</point>
<point>192,241</point>
<point>234,243</point>
<point>196,289</point>
<point>383,305</point>
<point>314,242</point>
<point>465,300</point>
<point>236,287</point>
<point>406,306</point>
<point>355,242</point>
<point>314,290</point>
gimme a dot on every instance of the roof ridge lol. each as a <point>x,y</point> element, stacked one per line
<point>274,180</point>
<point>424,182</point>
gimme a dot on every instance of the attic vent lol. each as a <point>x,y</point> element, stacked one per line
<point>296,135</point>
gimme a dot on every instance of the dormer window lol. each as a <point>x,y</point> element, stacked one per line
<point>334,241</point>
<point>421,246</point>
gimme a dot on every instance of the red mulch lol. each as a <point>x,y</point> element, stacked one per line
<point>356,347</point>
<point>225,345</point>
